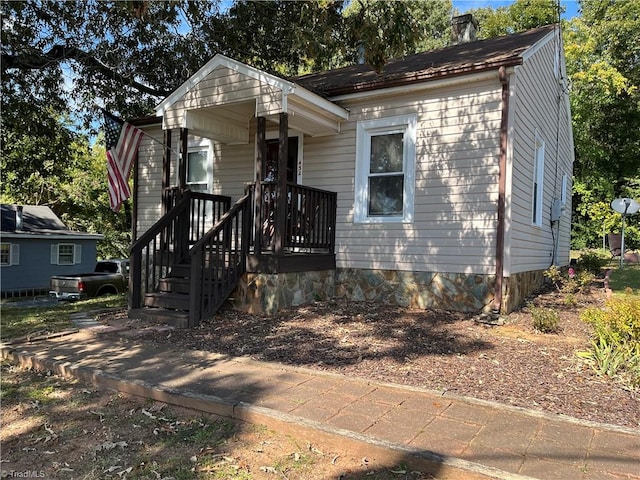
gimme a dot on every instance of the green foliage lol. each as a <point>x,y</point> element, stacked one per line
<point>572,281</point>
<point>615,347</point>
<point>592,261</point>
<point>393,29</point>
<point>545,320</point>
<point>601,51</point>
<point>519,16</point>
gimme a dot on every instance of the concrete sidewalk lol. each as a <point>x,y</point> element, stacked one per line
<point>447,436</point>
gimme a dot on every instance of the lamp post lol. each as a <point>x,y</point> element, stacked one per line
<point>625,206</point>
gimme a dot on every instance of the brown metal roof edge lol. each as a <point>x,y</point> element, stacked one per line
<point>421,77</point>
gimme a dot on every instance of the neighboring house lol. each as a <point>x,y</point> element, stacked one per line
<point>444,182</point>
<point>35,245</point>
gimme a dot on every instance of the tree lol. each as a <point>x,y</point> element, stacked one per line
<point>521,15</point>
<point>385,30</point>
<point>603,51</point>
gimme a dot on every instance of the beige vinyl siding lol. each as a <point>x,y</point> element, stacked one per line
<point>457,149</point>
<point>534,108</point>
<point>234,167</point>
<point>225,86</point>
<point>149,181</point>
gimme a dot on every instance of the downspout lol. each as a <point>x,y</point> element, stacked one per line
<point>502,185</point>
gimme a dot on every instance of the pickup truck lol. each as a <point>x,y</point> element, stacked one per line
<point>109,277</point>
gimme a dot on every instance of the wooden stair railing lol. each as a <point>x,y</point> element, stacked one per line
<point>166,244</point>
<point>218,261</point>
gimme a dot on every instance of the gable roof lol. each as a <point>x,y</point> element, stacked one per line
<point>285,86</point>
<point>461,59</point>
<point>36,219</point>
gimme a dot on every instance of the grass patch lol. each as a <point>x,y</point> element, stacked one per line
<point>625,281</point>
<point>18,322</point>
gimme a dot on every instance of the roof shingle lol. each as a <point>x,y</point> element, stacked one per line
<point>466,58</point>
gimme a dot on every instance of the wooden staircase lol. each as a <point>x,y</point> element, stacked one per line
<point>208,268</point>
<point>170,303</point>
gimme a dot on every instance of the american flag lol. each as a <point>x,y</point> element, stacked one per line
<point>121,140</point>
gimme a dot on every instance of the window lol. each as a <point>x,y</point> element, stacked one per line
<point>66,254</point>
<point>197,175</point>
<point>538,182</point>
<point>9,254</point>
<point>5,254</point>
<point>385,166</point>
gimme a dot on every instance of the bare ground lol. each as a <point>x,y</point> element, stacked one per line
<point>440,350</point>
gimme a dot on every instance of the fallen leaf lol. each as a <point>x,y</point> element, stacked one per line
<point>127,470</point>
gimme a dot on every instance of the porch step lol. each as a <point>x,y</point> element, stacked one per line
<point>174,285</point>
<point>172,301</point>
<point>158,315</point>
<point>180,271</point>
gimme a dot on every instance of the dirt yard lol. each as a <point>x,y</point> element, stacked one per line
<point>439,350</point>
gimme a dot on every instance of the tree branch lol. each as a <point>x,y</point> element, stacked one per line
<point>59,53</point>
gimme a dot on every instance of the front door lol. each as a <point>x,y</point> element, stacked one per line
<point>271,162</point>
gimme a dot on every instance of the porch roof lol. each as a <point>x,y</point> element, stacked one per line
<point>220,99</point>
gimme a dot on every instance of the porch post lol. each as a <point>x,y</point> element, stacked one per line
<point>182,166</point>
<point>281,199</point>
<point>166,171</point>
<point>257,193</point>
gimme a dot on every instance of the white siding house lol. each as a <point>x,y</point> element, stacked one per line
<point>452,169</point>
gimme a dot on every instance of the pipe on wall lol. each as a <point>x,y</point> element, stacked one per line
<point>502,185</point>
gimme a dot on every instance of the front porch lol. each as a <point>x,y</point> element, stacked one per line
<point>186,266</point>
<point>196,255</point>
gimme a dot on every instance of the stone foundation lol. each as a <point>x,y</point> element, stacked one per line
<point>267,293</point>
<point>425,290</point>
<point>518,286</point>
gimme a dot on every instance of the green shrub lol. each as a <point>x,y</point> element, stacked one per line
<point>545,320</point>
<point>615,346</point>
<point>591,261</point>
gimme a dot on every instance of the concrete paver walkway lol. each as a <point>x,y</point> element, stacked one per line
<point>449,436</point>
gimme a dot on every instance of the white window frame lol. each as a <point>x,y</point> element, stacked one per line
<point>405,124</point>
<point>206,147</point>
<point>13,254</point>
<point>55,253</point>
<point>537,197</point>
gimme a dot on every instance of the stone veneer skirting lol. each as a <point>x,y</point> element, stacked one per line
<point>427,290</point>
<point>263,293</point>
<point>266,293</point>
<point>518,286</point>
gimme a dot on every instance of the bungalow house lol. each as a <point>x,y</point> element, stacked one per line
<point>442,182</point>
<point>35,245</point>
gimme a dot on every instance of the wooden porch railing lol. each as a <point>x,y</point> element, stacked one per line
<point>218,260</point>
<point>205,232</point>
<point>167,242</point>
<point>310,219</point>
